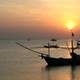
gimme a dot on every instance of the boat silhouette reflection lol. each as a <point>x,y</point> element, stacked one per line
<point>61,73</point>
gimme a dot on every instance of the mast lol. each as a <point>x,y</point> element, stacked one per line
<point>48,49</point>
<point>72,42</point>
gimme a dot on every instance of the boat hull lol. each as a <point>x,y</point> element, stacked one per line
<point>61,61</point>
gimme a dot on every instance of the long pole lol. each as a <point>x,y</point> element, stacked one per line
<point>72,43</point>
<point>48,49</point>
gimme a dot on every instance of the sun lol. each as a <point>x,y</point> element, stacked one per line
<point>70,24</point>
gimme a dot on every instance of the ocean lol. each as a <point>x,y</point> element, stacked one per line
<point>17,63</point>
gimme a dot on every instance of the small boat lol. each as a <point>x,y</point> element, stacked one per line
<point>53,39</point>
<point>51,61</point>
<point>51,46</point>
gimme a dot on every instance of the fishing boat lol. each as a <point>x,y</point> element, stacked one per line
<point>52,61</point>
<point>52,45</point>
<point>73,61</point>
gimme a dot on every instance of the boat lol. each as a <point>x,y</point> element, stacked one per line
<point>73,61</point>
<point>51,46</point>
<point>52,61</point>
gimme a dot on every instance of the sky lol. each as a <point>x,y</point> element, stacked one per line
<point>38,19</point>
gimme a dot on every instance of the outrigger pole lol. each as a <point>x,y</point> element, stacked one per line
<point>31,49</point>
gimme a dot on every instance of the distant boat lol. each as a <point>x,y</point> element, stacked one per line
<point>51,46</point>
<point>53,39</point>
<point>51,61</point>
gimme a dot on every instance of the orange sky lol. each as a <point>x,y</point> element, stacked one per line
<point>37,18</point>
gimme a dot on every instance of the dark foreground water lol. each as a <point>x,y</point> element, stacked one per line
<point>17,63</point>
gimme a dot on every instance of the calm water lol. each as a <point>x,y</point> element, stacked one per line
<point>17,63</point>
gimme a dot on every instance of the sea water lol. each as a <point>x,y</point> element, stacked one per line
<point>17,63</point>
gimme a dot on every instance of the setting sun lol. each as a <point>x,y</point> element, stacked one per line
<point>70,24</point>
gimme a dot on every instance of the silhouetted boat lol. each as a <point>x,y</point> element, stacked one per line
<point>53,39</point>
<point>51,61</point>
<point>73,61</point>
<point>51,46</point>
